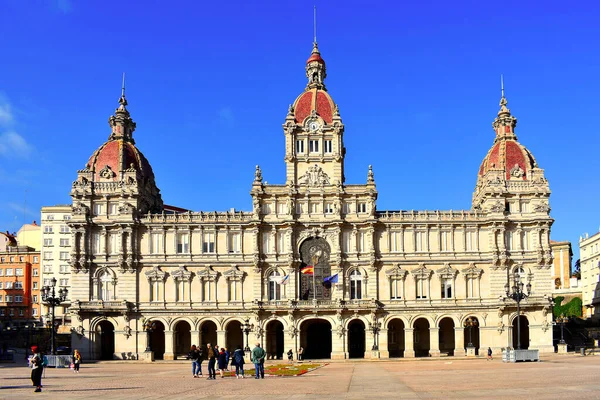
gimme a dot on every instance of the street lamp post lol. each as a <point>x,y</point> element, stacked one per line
<point>149,327</point>
<point>562,320</point>
<point>517,295</point>
<point>51,299</point>
<point>246,328</point>
<point>470,323</point>
<point>375,328</point>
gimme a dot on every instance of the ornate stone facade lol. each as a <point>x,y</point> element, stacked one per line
<point>385,283</point>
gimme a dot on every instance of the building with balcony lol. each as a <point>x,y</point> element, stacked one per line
<point>589,252</point>
<point>314,263</point>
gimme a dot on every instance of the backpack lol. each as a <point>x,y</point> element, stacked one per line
<point>44,361</point>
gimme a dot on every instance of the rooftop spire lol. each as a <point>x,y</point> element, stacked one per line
<point>121,124</point>
<point>504,118</point>
<point>315,26</point>
<point>315,65</point>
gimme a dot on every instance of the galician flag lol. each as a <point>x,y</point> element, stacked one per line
<point>284,280</point>
<point>308,270</point>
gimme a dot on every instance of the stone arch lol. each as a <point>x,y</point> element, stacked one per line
<point>357,338</point>
<point>419,316</point>
<point>520,334</point>
<point>480,319</point>
<point>396,335</point>
<point>446,335</point>
<point>208,328</point>
<point>316,337</point>
<point>388,318</point>
<point>96,320</point>
<point>234,336</point>
<point>104,341</point>
<point>182,337</point>
<point>421,335</point>
<point>454,318</point>
<point>274,338</point>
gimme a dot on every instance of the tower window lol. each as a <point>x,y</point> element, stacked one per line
<point>362,207</point>
<point>328,146</point>
<point>314,146</point>
<point>299,146</point>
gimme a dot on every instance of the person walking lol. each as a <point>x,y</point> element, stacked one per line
<point>227,357</point>
<point>222,360</point>
<point>258,358</point>
<point>238,360</point>
<point>76,361</point>
<point>489,354</point>
<point>290,355</point>
<point>212,374</point>
<point>37,367</point>
<point>194,355</point>
<point>300,353</point>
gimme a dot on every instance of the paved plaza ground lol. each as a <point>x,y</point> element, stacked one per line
<point>556,377</point>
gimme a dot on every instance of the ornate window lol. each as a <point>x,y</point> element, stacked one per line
<point>235,242</point>
<point>156,243</point>
<point>422,276</point>
<point>472,276</point>
<point>105,284</point>
<point>447,275</point>
<point>396,278</point>
<point>208,242</point>
<point>356,283</point>
<point>274,288</point>
<point>299,146</point>
<point>208,284</point>
<point>183,280</point>
<point>183,243</point>
<point>328,146</point>
<point>156,279</point>
<point>235,279</point>
<point>266,242</point>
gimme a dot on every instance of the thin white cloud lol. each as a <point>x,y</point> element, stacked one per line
<point>22,209</point>
<point>64,6</point>
<point>13,145</point>
<point>6,115</point>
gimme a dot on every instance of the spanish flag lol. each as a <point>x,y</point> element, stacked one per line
<point>308,270</point>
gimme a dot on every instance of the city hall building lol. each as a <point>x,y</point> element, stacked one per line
<point>315,263</point>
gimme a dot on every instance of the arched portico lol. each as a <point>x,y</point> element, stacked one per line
<point>446,336</point>
<point>157,340</point>
<point>315,338</point>
<point>356,339</point>
<point>396,337</point>
<point>183,339</point>
<point>274,345</point>
<point>524,331</point>
<point>421,337</point>
<point>105,340</point>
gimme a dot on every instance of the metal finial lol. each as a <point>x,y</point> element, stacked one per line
<point>315,24</point>
<point>123,86</point>
<point>502,84</point>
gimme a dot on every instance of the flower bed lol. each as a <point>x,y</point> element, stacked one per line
<point>279,369</point>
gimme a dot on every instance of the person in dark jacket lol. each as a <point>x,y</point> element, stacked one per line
<point>222,359</point>
<point>227,356</point>
<point>194,356</point>
<point>212,374</point>
<point>238,361</point>
<point>37,368</point>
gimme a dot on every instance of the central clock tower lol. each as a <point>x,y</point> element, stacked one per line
<point>314,147</point>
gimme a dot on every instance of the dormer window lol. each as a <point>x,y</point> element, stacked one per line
<point>314,146</point>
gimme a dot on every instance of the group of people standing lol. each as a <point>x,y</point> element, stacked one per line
<point>222,359</point>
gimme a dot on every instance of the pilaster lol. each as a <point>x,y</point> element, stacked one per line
<point>169,345</point>
<point>409,343</point>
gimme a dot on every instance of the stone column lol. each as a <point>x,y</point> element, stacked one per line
<point>339,338</point>
<point>383,344</point>
<point>196,337</point>
<point>409,343</point>
<point>169,345</point>
<point>222,339</point>
<point>459,342</point>
<point>434,342</point>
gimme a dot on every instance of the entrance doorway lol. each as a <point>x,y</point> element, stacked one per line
<point>524,333</point>
<point>183,339</point>
<point>356,339</point>
<point>208,333</point>
<point>447,336</point>
<point>396,338</point>
<point>106,340</point>
<point>157,340</point>
<point>315,338</point>
<point>421,337</point>
<point>274,345</point>
<point>235,336</point>
<point>471,335</point>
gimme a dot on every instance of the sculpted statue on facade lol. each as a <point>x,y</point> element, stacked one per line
<point>314,177</point>
<point>106,173</point>
<point>517,171</point>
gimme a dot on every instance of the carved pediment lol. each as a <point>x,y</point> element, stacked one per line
<point>182,274</point>
<point>156,274</point>
<point>396,272</point>
<point>422,272</point>
<point>80,209</point>
<point>447,271</point>
<point>472,271</point>
<point>314,177</point>
<point>234,273</point>
<point>106,173</point>
<point>207,273</point>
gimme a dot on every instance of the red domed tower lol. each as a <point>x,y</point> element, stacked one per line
<point>117,176</point>
<point>314,132</point>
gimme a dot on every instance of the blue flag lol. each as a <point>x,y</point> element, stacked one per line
<point>331,279</point>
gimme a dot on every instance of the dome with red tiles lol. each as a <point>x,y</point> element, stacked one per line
<point>111,159</point>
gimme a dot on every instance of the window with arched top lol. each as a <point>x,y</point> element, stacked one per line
<point>105,286</point>
<point>274,285</point>
<point>355,285</point>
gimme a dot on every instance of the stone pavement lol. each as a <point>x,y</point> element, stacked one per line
<point>556,377</point>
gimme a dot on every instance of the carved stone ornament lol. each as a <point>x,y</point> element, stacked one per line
<point>127,331</point>
<point>79,330</point>
<point>517,172</point>
<point>545,326</point>
<point>497,207</point>
<point>258,175</point>
<point>542,207</point>
<point>293,331</point>
<point>314,177</point>
<point>126,209</point>
<point>106,173</point>
<point>341,331</point>
<point>500,327</point>
<point>80,209</point>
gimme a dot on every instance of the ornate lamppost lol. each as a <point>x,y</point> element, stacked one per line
<point>470,323</point>
<point>52,300</point>
<point>562,320</point>
<point>149,327</point>
<point>517,295</point>
<point>375,328</point>
<point>246,328</point>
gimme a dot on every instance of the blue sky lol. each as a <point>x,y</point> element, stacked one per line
<point>209,84</point>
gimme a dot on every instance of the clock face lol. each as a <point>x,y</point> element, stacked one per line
<point>314,125</point>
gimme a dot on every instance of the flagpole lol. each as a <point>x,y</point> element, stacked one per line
<point>314,285</point>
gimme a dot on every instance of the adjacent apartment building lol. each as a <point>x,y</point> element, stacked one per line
<point>589,252</point>
<point>56,247</point>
